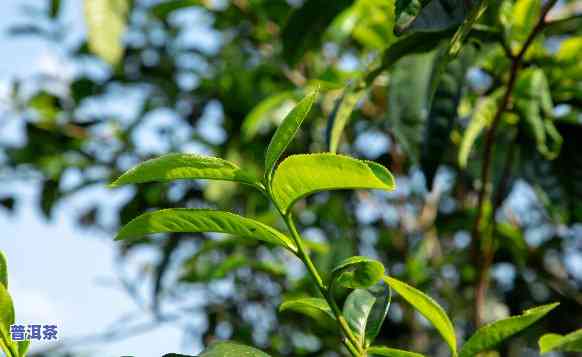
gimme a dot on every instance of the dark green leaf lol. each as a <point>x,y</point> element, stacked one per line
<point>54,8</point>
<point>165,8</point>
<point>492,334</point>
<point>202,220</point>
<point>304,29</point>
<point>383,295</point>
<point>301,175</point>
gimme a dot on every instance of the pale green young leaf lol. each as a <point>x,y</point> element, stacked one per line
<point>3,270</point>
<point>341,114</point>
<point>429,308</point>
<point>231,349</point>
<point>357,272</point>
<point>6,319</point>
<point>185,167</point>
<point>482,117</point>
<point>202,220</point>
<point>301,175</point>
<point>492,334</point>
<point>390,352</point>
<point>571,342</point>
<point>106,23</point>
<point>265,112</point>
<point>356,310</point>
<point>308,306</point>
<point>23,347</point>
<point>287,130</point>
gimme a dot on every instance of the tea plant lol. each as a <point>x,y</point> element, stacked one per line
<point>362,314</point>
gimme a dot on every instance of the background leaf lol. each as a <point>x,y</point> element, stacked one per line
<point>3,270</point>
<point>571,342</point>
<point>287,130</point>
<point>106,26</point>
<point>306,306</point>
<point>341,114</point>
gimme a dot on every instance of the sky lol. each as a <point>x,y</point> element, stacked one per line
<point>57,270</point>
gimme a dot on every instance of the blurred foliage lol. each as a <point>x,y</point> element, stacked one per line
<point>209,76</point>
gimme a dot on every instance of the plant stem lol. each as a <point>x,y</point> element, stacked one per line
<point>350,342</point>
<point>486,258</point>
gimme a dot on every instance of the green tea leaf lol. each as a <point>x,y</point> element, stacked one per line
<point>231,349</point>
<point>571,342</point>
<point>23,347</point>
<point>383,295</point>
<point>307,306</point>
<point>406,11</point>
<point>106,26</point>
<point>6,319</point>
<point>341,115</point>
<point>490,335</point>
<point>301,175</point>
<point>357,272</point>
<point>202,220</point>
<point>357,308</point>
<point>163,9</point>
<point>286,132</point>
<point>456,42</point>
<point>429,308</point>
<point>390,352</point>
<point>264,112</point>
<point>185,166</point>
<point>3,270</point>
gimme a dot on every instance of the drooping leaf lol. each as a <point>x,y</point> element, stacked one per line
<point>357,272</point>
<point>185,167</point>
<point>357,308</point>
<point>429,308</point>
<point>231,349</point>
<point>434,15</point>
<point>443,112</point>
<point>390,352</point>
<point>301,175</point>
<point>492,334</point>
<point>306,25</point>
<point>341,115</point>
<point>3,270</point>
<point>475,13</point>
<point>571,342</point>
<point>286,132</point>
<point>407,113</point>
<point>106,22</point>
<point>482,117</point>
<point>202,220</point>
<point>165,8</point>
<point>265,111</point>
<point>307,306</point>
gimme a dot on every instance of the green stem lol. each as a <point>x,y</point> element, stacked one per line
<point>350,342</point>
